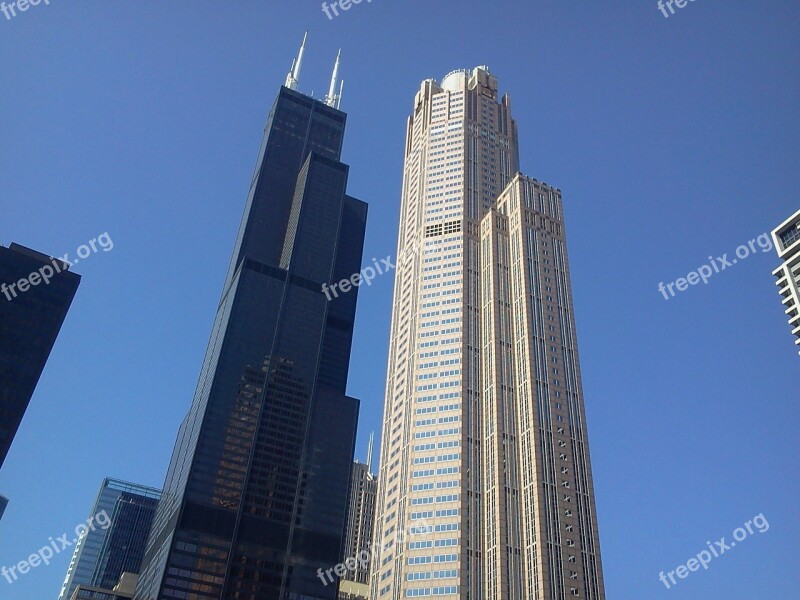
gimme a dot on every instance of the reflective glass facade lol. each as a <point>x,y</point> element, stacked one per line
<point>125,542</point>
<point>31,315</point>
<point>255,498</point>
<point>102,555</point>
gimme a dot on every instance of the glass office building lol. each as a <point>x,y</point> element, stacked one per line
<point>32,311</point>
<point>123,514</point>
<point>255,498</point>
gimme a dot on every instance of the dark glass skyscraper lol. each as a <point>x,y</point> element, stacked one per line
<point>35,294</point>
<point>255,498</point>
<point>123,515</point>
<point>124,546</point>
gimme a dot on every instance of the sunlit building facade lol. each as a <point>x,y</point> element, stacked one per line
<point>485,489</point>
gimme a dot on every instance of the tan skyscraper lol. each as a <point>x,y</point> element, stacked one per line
<point>485,488</point>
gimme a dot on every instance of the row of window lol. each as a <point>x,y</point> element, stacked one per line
<point>428,514</point>
<point>437,591</point>
<point>426,560</point>
<point>443,432</point>
<point>424,460</point>
<point>432,575</point>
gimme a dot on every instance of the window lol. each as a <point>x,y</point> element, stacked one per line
<point>790,236</point>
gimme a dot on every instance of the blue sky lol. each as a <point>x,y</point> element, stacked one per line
<point>673,139</point>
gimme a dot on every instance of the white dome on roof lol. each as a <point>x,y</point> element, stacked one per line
<point>455,80</point>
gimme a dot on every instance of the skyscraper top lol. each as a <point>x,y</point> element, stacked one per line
<point>333,98</point>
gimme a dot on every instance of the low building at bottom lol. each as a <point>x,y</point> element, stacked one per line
<point>122,591</point>
<point>352,590</point>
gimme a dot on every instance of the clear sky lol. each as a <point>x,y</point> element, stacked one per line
<point>673,139</point>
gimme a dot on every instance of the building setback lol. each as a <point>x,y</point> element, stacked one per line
<point>255,498</point>
<point>31,314</point>
<point>485,487</point>
<point>787,242</point>
<point>122,516</point>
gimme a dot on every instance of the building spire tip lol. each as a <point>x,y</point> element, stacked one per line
<point>333,99</point>
<point>293,78</point>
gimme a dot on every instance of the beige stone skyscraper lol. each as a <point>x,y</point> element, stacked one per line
<point>485,488</point>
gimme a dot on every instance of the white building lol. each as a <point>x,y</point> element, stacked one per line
<point>485,487</point>
<point>787,242</point>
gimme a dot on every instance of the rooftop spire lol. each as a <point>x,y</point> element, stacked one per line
<point>369,452</point>
<point>293,77</point>
<point>333,99</point>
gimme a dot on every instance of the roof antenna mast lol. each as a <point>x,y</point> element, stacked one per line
<point>369,452</point>
<point>293,77</point>
<point>333,99</point>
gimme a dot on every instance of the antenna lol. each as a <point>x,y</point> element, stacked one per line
<point>339,99</point>
<point>293,77</point>
<point>332,99</point>
<point>369,452</point>
<point>291,73</point>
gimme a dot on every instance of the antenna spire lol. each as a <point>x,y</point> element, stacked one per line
<point>369,452</point>
<point>332,99</point>
<point>293,77</point>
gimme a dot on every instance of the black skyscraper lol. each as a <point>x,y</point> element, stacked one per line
<point>255,499</point>
<point>35,294</point>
